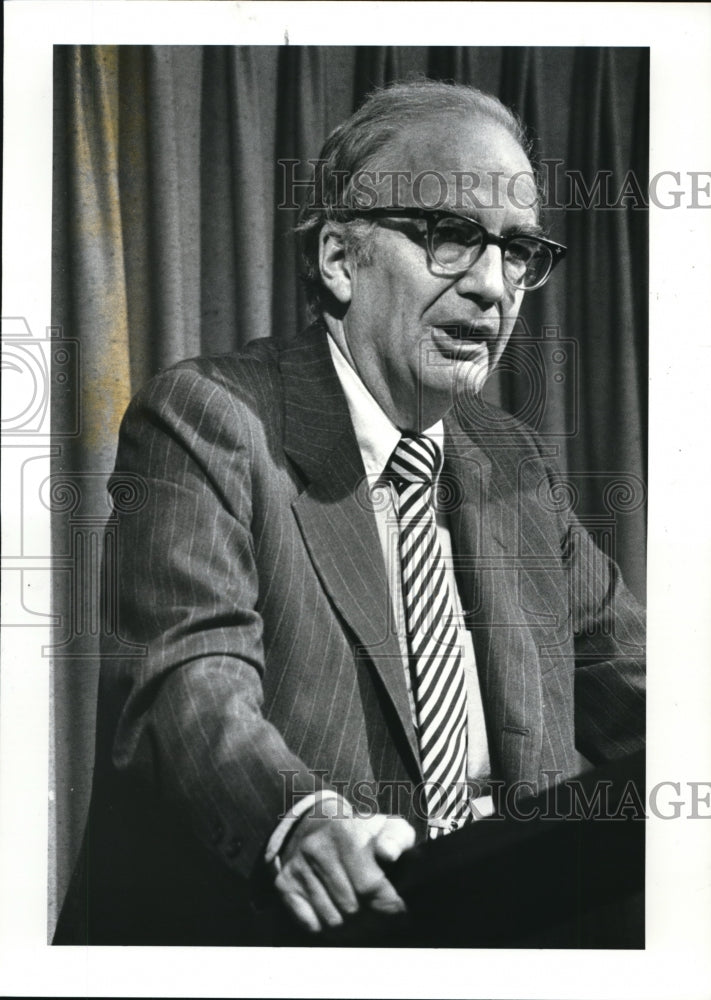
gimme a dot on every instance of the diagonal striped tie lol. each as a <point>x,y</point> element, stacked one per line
<point>438,680</point>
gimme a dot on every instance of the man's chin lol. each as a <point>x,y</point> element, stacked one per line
<point>471,371</point>
<point>452,385</point>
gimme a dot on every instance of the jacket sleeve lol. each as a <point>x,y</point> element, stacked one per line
<point>188,720</point>
<point>608,626</point>
<point>609,629</point>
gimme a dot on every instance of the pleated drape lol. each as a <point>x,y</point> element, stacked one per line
<point>606,308</point>
<point>173,237</point>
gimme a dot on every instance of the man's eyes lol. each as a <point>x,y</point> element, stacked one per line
<point>521,250</point>
<point>459,232</point>
<point>462,232</point>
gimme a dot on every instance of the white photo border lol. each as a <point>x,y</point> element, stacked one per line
<point>676,960</point>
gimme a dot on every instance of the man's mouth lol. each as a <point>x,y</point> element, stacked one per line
<point>462,338</point>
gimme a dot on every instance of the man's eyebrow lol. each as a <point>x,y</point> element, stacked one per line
<point>514,229</point>
<point>523,229</point>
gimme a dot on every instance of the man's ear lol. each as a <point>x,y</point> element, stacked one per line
<point>335,268</point>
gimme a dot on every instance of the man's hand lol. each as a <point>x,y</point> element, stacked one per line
<point>330,867</point>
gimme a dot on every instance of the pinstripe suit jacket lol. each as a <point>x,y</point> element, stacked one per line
<point>254,581</point>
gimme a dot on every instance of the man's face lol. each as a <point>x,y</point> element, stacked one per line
<point>417,335</point>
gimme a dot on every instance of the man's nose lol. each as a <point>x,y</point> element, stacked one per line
<point>485,278</point>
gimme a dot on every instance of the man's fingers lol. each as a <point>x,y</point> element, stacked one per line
<point>302,910</point>
<point>314,872</point>
<point>383,838</point>
<point>323,859</point>
<point>302,891</point>
<point>395,836</point>
<point>386,900</point>
<point>326,911</point>
<point>333,866</point>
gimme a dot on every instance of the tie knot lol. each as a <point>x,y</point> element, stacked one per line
<point>415,459</point>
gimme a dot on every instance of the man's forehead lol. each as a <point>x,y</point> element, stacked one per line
<point>442,163</point>
<point>455,138</point>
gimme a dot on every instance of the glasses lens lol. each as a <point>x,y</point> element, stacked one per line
<point>527,263</point>
<point>456,242</point>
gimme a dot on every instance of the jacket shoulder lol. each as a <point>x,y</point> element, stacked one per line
<point>236,372</point>
<point>247,381</point>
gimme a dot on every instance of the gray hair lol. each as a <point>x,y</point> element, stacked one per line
<point>351,147</point>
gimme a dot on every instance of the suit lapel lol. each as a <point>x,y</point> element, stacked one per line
<point>334,515</point>
<point>483,526</point>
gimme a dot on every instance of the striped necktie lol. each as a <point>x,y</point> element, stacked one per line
<point>438,680</point>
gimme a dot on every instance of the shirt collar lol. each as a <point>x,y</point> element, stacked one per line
<point>376,434</point>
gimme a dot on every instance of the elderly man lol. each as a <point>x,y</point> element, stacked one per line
<point>352,604</point>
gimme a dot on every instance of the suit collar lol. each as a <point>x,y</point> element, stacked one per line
<point>317,424</point>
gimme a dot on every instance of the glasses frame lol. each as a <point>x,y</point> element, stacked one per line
<point>432,216</point>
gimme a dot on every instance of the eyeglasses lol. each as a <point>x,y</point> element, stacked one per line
<point>454,243</point>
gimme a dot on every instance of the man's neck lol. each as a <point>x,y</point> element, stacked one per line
<point>415,415</point>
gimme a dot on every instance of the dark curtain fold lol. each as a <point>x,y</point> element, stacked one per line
<point>173,237</point>
<point>606,312</point>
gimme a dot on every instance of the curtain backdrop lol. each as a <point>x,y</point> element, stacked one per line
<point>168,242</point>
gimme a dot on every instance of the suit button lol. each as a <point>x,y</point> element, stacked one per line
<point>234,846</point>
